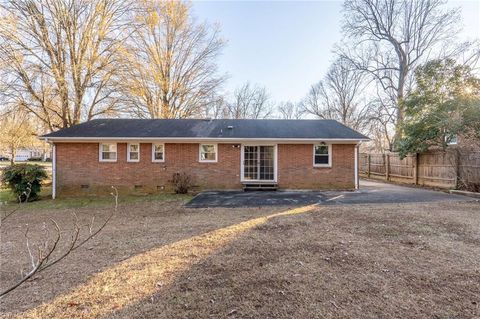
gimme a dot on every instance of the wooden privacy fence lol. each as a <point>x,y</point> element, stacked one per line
<point>437,168</point>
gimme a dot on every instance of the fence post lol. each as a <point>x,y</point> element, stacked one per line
<point>368,165</point>
<point>387,167</point>
<point>415,168</point>
<point>457,168</point>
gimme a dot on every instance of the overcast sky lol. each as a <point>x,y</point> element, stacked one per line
<point>287,45</point>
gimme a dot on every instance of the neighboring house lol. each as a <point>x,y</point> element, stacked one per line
<point>24,154</point>
<point>465,143</point>
<point>143,155</point>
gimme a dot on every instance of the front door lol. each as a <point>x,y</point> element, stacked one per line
<point>258,163</point>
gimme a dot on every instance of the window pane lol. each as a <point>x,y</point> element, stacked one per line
<point>157,152</point>
<point>207,152</point>
<point>134,155</point>
<point>134,147</point>
<point>208,156</point>
<point>321,149</point>
<point>106,147</point>
<point>109,155</point>
<point>321,159</point>
<point>108,151</point>
<point>208,149</point>
<point>453,139</point>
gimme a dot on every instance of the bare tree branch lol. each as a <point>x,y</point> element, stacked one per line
<point>339,96</point>
<point>289,110</point>
<point>43,258</point>
<point>249,102</point>
<point>57,55</point>
<point>169,62</point>
<point>390,38</point>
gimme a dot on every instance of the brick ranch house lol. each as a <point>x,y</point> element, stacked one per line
<point>137,155</point>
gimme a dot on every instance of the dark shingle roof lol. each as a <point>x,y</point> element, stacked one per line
<point>200,128</point>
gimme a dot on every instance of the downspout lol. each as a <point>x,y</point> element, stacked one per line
<point>356,166</point>
<point>54,171</point>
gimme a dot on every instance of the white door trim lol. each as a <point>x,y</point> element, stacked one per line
<point>275,163</point>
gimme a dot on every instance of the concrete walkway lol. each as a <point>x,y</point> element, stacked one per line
<point>370,192</point>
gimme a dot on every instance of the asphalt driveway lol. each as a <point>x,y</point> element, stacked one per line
<point>369,192</point>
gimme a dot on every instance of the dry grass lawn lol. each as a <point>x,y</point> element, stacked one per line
<point>160,260</point>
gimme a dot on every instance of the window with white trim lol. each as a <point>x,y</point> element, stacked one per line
<point>208,152</point>
<point>322,155</point>
<point>133,152</point>
<point>108,152</point>
<point>158,152</point>
<point>451,139</point>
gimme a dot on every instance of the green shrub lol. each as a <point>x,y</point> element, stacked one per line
<point>182,183</point>
<point>24,180</point>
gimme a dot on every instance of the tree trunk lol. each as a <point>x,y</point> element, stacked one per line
<point>398,127</point>
<point>13,153</point>
<point>400,105</point>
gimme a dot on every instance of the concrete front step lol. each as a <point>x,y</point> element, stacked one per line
<point>260,186</point>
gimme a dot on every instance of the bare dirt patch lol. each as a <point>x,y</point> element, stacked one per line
<point>369,261</point>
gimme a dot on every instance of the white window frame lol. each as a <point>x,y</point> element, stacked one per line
<point>153,153</point>
<point>329,155</point>
<point>128,153</point>
<point>453,140</point>
<point>215,147</point>
<point>100,152</point>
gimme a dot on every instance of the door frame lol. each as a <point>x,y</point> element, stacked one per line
<point>275,163</point>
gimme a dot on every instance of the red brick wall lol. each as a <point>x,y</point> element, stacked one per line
<point>296,170</point>
<point>80,172</point>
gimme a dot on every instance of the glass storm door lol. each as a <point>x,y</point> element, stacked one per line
<point>259,163</point>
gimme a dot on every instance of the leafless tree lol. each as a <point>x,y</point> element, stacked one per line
<point>289,110</point>
<point>170,66</point>
<point>217,107</point>
<point>250,102</point>
<point>388,39</point>
<point>16,131</point>
<point>58,57</point>
<point>339,96</point>
<point>50,250</point>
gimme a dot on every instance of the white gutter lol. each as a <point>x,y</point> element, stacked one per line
<point>200,139</point>
<point>54,171</point>
<point>357,183</point>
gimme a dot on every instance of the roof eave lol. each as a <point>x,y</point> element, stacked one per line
<point>200,139</point>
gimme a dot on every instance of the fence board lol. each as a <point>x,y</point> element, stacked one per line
<point>435,168</point>
<point>469,171</point>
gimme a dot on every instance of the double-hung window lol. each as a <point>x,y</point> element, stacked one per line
<point>322,155</point>
<point>208,152</point>
<point>158,153</point>
<point>133,152</point>
<point>108,152</point>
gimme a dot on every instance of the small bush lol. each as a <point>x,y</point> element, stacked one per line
<point>182,183</point>
<point>24,180</point>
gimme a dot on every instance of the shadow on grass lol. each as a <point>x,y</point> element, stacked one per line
<point>341,263</point>
<point>305,266</point>
<point>46,202</point>
<point>136,278</point>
